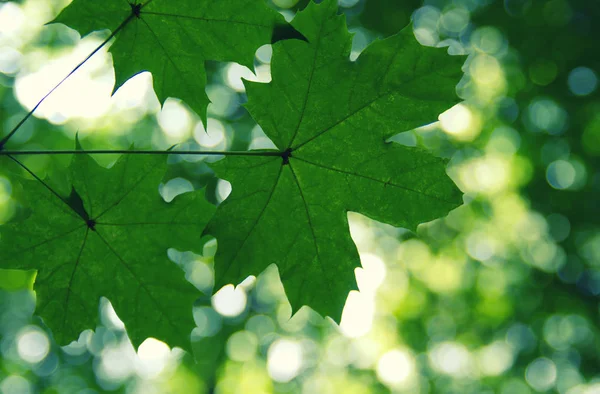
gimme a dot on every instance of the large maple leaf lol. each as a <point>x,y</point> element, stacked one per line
<point>330,119</point>
<point>173,39</point>
<point>109,238</point>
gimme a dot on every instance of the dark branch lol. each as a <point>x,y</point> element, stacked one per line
<point>144,152</point>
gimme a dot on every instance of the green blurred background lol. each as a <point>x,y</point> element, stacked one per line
<point>500,296</point>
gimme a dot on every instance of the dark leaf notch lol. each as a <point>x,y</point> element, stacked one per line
<point>136,9</point>
<point>109,238</point>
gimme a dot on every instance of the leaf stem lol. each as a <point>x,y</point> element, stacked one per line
<point>141,152</point>
<point>28,115</point>
<point>37,178</point>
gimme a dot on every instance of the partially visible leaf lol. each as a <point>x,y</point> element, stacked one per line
<point>330,119</point>
<point>388,16</point>
<point>114,244</point>
<point>173,39</point>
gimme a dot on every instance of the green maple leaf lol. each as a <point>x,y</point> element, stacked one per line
<point>173,39</point>
<point>330,117</point>
<point>109,238</point>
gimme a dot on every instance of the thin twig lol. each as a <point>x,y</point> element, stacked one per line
<point>18,126</point>
<point>139,152</point>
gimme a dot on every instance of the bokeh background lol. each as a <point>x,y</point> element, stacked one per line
<point>500,296</point>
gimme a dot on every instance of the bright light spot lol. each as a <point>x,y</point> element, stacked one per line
<point>11,19</point>
<point>175,120</point>
<point>486,71</point>
<point>201,276</point>
<point>236,73</point>
<point>460,122</point>
<point>264,54</point>
<point>491,174</point>
<point>360,42</point>
<point>9,60</point>
<point>488,174</point>
<point>561,174</point>
<point>582,81</point>
<point>242,346</point>
<point>414,254</point>
<point>480,246</point>
<point>208,322</point>
<point>223,100</point>
<point>357,317</point>
<point>541,374</point>
<point>395,368</point>
<point>444,275</point>
<point>86,94</point>
<point>223,190</point>
<point>365,352</point>
<point>425,22</point>
<point>284,360</point>
<point>117,363</point>
<point>546,115</point>
<point>32,344</point>
<point>562,331</point>
<point>15,384</point>
<point>455,20</point>
<point>372,273</point>
<point>426,37</point>
<point>487,39</point>
<point>109,313</point>
<point>260,139</point>
<point>530,226</point>
<point>593,388</point>
<point>451,358</point>
<point>230,301</point>
<point>496,358</point>
<point>337,351</point>
<point>174,188</point>
<point>154,356</point>
<point>546,256</point>
<point>214,137</point>
<point>248,283</point>
<point>504,140</point>
<point>137,95</point>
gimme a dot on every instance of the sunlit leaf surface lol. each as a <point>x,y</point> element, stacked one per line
<point>331,118</point>
<point>109,238</point>
<point>173,39</point>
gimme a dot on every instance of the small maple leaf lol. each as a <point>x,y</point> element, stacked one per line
<point>173,39</point>
<point>109,238</point>
<point>330,119</point>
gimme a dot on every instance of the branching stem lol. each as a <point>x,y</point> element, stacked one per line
<point>37,178</point>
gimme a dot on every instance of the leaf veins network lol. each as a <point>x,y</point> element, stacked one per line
<point>173,39</point>
<point>109,238</point>
<point>330,119</point>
